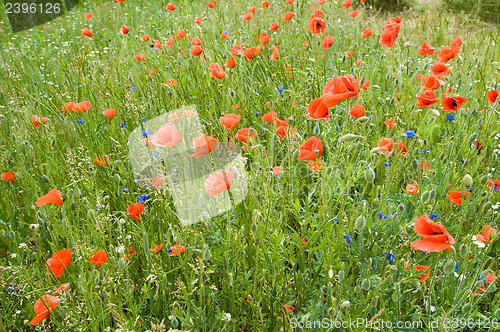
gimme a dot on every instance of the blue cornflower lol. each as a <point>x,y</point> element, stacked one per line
<point>132,89</point>
<point>387,164</point>
<point>450,117</point>
<point>470,190</point>
<point>434,215</point>
<point>495,86</point>
<point>156,155</point>
<point>391,257</point>
<point>146,132</point>
<point>425,151</point>
<point>462,161</point>
<point>225,31</point>
<point>335,53</point>
<point>80,121</point>
<point>126,191</point>
<point>456,267</point>
<point>409,133</point>
<point>170,92</point>
<point>257,113</point>
<point>380,215</point>
<point>348,239</point>
<point>142,120</point>
<point>142,198</point>
<point>281,89</point>
<point>372,267</point>
<point>122,124</point>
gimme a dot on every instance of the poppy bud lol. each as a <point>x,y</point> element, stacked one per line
<point>432,194</point>
<point>341,275</point>
<point>117,177</point>
<point>374,151</point>
<point>330,272</point>
<point>420,142</point>
<point>121,264</point>
<point>467,181</point>
<point>255,166</point>
<point>395,296</point>
<point>207,254</point>
<point>449,266</point>
<point>493,134</point>
<point>376,87</point>
<point>435,113</point>
<point>466,308</point>
<point>53,142</point>
<point>296,155</point>
<point>497,313</point>
<point>369,175</point>
<point>348,138</point>
<point>487,206</point>
<point>73,206</point>
<point>317,130</point>
<point>395,276</point>
<point>463,249</point>
<point>174,322</point>
<point>230,277</point>
<point>376,201</point>
<point>472,138</point>
<point>345,306</point>
<point>484,179</point>
<point>253,227</point>
<point>363,119</point>
<point>45,179</point>
<point>425,196</point>
<point>91,214</point>
<point>360,224</point>
<point>365,284</point>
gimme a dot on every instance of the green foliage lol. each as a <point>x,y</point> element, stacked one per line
<point>486,10</point>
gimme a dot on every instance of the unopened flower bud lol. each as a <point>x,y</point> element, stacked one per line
<point>467,181</point>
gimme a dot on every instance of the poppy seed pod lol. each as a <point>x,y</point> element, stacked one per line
<point>360,223</point>
<point>468,181</point>
<point>370,175</point>
<point>345,306</point>
<point>449,266</point>
<point>45,179</point>
<point>425,196</point>
<point>348,138</point>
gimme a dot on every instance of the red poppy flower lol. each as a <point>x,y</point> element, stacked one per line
<point>145,37</point>
<point>9,176</point>
<point>276,170</point>
<point>59,261</point>
<point>167,136</point>
<point>452,103</point>
<point>289,308</point>
<point>492,183</point>
<point>431,82</point>
<point>439,69</point>
<point>366,33</point>
<point>426,99</point>
<point>264,38</point>
<point>346,3</point>
<point>109,113</point>
<point>446,54</point>
<point>274,26</point>
<point>288,16</point>
<point>198,20</point>
<point>157,248</point>
<point>316,25</point>
<point>196,50</point>
<point>426,49</point>
<point>180,35</point>
<point>423,277</point>
<point>61,289</point>
<point>247,16</point>
<point>37,120</point>
<point>391,123</point>
<point>269,117</point>
<point>484,237</point>
<point>282,127</point>
<point>327,42</point>
<point>216,70</point>
<point>314,166</point>
<point>492,96</point>
<point>244,134</point>
<point>265,4</point>
<point>230,121</point>
<point>385,145</point>
<point>211,4</point>
<point>357,111</point>
<point>177,249</point>
<point>402,148</point>
<point>102,160</point>
<point>412,188</point>
<point>338,89</point>
<point>318,110</point>
<point>218,182</point>
<point>170,42</point>
<point>203,145</point>
<point>391,31</point>
<point>424,166</point>
<point>250,53</point>
<point>42,306</point>
<point>170,7</point>
<point>53,196</point>
<point>251,9</point>
<point>99,258</point>
<point>435,238</point>
<point>88,16</point>
<point>365,85</point>
<point>310,149</point>
<point>457,196</point>
<point>135,209</point>
<point>353,13</point>
<point>124,30</point>
<point>87,33</point>
<point>140,56</point>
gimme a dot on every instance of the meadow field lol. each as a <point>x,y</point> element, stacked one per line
<point>364,195</point>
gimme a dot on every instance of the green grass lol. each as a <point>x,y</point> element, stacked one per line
<point>254,251</point>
